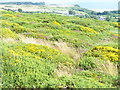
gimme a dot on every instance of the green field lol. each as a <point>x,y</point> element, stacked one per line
<point>42,50</point>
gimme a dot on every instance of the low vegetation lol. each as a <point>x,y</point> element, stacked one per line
<point>42,50</point>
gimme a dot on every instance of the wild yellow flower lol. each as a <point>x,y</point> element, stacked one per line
<point>8,15</point>
<point>87,29</point>
<point>108,53</point>
<point>56,23</point>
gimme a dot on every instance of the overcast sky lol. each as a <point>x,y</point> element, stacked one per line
<point>90,4</point>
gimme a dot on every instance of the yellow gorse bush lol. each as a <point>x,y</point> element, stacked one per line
<point>116,24</point>
<point>19,52</point>
<point>48,53</point>
<point>7,33</point>
<point>106,48</point>
<point>8,15</point>
<point>107,53</point>
<point>14,26</point>
<point>42,53</point>
<point>87,29</point>
<point>56,23</point>
<point>5,23</point>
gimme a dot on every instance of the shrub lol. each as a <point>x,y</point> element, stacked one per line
<point>82,82</point>
<point>56,23</point>
<point>100,76</point>
<point>7,33</point>
<point>87,63</point>
<point>87,29</point>
<point>48,53</point>
<point>100,28</point>
<point>29,65</point>
<point>9,15</point>
<point>115,24</point>
<point>107,53</point>
<point>38,66</point>
<point>14,27</point>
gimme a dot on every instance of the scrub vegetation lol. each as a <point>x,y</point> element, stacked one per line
<point>42,50</point>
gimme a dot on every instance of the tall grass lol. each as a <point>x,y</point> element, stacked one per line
<point>107,67</point>
<point>60,45</point>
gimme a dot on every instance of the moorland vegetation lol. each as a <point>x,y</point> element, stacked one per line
<point>42,50</point>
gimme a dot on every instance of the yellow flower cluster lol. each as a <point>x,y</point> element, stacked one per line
<point>8,15</point>
<point>111,56</point>
<point>116,24</point>
<point>87,29</point>
<point>7,33</point>
<point>48,53</point>
<point>106,49</point>
<point>37,52</point>
<point>56,23</point>
<point>6,23</point>
<point>39,49</point>
<point>14,26</point>
<point>13,53</point>
<point>19,52</point>
<point>108,53</point>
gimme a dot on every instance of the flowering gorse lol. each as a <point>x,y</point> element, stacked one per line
<point>9,15</point>
<point>87,29</point>
<point>56,23</point>
<point>107,53</point>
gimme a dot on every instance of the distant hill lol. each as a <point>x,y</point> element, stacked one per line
<point>24,3</point>
<point>41,7</point>
<point>78,8</point>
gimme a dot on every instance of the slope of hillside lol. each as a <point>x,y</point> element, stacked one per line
<point>75,10</point>
<point>54,51</point>
<point>40,7</point>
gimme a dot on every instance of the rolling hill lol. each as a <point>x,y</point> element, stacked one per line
<point>45,50</point>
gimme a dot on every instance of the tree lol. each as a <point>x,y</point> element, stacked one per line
<point>19,10</point>
<point>87,16</point>
<point>99,13</point>
<point>72,12</point>
<point>106,13</point>
<point>76,5</point>
<point>93,13</point>
<point>108,18</point>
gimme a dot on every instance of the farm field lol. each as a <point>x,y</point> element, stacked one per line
<point>42,50</point>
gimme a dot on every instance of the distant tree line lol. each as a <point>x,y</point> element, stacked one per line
<point>24,3</point>
<point>108,12</point>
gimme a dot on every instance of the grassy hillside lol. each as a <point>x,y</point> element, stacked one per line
<point>63,9</point>
<point>53,51</point>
